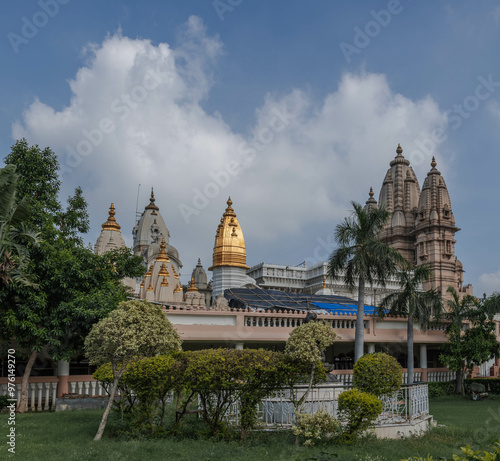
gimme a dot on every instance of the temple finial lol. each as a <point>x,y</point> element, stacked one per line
<point>399,150</point>
<point>433,163</point>
<point>152,205</point>
<point>111,223</point>
<point>371,192</point>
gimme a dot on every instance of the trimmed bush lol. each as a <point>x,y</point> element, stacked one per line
<point>378,374</point>
<point>359,410</point>
<point>439,389</point>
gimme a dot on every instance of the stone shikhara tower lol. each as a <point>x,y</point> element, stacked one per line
<point>422,226</point>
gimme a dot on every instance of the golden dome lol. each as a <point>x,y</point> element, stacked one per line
<point>111,223</point>
<point>229,247</point>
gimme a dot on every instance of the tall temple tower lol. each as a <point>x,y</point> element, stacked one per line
<point>229,257</point>
<point>435,235</point>
<point>111,238</point>
<point>399,195</point>
<point>422,227</point>
<point>148,234</point>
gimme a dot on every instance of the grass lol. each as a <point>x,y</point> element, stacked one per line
<point>68,436</point>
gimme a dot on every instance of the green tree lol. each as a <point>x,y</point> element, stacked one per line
<point>307,343</point>
<point>134,330</point>
<point>14,236</point>
<point>469,348</point>
<point>75,287</point>
<point>362,257</point>
<point>418,306</point>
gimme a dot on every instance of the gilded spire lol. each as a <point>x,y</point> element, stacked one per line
<point>150,288</point>
<point>111,223</point>
<point>152,205</point>
<point>229,247</point>
<point>162,255</point>
<point>399,150</point>
<point>175,273</point>
<point>142,283</point>
<point>164,283</point>
<point>150,271</point>
<point>433,163</point>
<point>178,288</point>
<point>192,286</point>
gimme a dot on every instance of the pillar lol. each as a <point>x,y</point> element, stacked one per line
<point>423,361</point>
<point>63,373</point>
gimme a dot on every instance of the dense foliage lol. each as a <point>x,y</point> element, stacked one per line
<point>378,374</point>
<point>75,287</point>
<point>134,330</point>
<point>477,344</point>
<point>468,454</point>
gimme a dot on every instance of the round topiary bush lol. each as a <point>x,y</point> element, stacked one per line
<point>378,374</point>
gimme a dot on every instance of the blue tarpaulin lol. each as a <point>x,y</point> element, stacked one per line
<point>338,308</point>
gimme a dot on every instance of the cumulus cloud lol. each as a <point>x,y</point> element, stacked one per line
<point>488,283</point>
<point>136,116</point>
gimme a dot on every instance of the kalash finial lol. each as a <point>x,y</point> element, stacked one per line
<point>152,205</point>
<point>371,194</point>
<point>399,150</point>
<point>433,163</point>
<point>111,223</point>
<point>229,210</point>
<point>192,286</point>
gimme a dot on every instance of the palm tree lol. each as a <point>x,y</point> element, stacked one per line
<point>13,235</point>
<point>458,311</point>
<point>362,257</point>
<point>418,306</point>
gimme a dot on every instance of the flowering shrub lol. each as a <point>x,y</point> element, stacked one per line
<point>315,427</point>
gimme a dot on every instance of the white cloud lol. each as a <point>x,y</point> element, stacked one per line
<point>309,160</point>
<point>488,283</point>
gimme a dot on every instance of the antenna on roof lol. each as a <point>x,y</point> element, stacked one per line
<point>137,214</point>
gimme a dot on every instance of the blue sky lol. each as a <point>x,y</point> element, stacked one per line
<point>269,99</point>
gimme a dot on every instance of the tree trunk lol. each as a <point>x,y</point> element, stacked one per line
<point>410,349</point>
<point>23,404</point>
<point>459,382</point>
<point>359,341</point>
<point>104,419</point>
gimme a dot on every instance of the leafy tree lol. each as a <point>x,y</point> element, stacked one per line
<point>412,303</point>
<point>307,343</point>
<point>471,347</point>
<point>362,257</point>
<point>75,287</point>
<point>135,329</point>
<point>13,234</point>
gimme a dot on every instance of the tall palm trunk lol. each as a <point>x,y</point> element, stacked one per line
<point>410,348</point>
<point>359,341</point>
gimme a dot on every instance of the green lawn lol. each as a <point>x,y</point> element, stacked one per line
<point>68,436</point>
